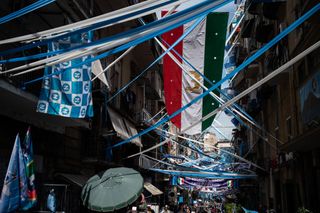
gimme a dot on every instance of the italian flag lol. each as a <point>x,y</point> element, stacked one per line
<point>204,49</point>
<point>180,181</point>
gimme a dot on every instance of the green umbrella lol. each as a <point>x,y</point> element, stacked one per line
<point>113,189</point>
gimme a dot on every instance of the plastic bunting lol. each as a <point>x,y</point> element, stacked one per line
<point>202,174</point>
<point>165,24</point>
<point>235,110</point>
<point>93,26</point>
<point>210,82</point>
<point>25,10</point>
<point>121,14</point>
<point>212,175</point>
<point>125,40</point>
<point>257,54</point>
<point>199,167</point>
<point>194,25</point>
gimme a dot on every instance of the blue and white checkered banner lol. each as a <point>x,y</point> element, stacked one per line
<point>67,94</point>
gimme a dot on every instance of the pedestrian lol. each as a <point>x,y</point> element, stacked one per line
<point>149,210</point>
<point>165,209</point>
<point>187,209</point>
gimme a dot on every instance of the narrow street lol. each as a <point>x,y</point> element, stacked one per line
<point>160,106</point>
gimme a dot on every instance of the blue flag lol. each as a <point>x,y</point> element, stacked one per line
<point>15,183</point>
<point>67,94</point>
<point>51,201</point>
<point>30,193</point>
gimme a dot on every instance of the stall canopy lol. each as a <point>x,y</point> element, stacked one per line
<point>124,128</point>
<point>152,189</point>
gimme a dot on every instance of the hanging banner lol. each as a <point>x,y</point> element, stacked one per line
<point>310,99</point>
<point>200,182</point>
<point>204,49</point>
<point>205,185</point>
<point>67,94</point>
<point>14,191</point>
<point>31,194</point>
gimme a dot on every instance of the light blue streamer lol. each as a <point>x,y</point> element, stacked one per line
<point>75,32</point>
<point>194,25</point>
<point>257,54</point>
<point>210,82</point>
<point>25,10</point>
<point>202,175</point>
<point>136,41</point>
<point>192,169</point>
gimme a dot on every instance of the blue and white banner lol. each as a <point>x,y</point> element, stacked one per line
<point>14,191</point>
<point>68,93</point>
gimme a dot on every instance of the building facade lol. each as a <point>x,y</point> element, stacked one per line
<point>286,107</point>
<point>68,151</point>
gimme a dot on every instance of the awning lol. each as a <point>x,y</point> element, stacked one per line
<point>152,189</point>
<point>124,128</point>
<point>76,179</point>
